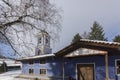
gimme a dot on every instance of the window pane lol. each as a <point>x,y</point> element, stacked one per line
<point>118,67</point>
<point>118,63</point>
<point>40,40</point>
<point>42,71</point>
<point>43,61</point>
<point>31,62</point>
<point>46,40</point>
<point>39,52</point>
<point>31,71</point>
<point>118,71</point>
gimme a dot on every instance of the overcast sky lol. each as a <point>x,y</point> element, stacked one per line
<point>79,15</point>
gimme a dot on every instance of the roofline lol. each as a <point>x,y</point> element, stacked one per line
<point>36,57</point>
<point>83,43</point>
<point>100,41</point>
<point>86,43</point>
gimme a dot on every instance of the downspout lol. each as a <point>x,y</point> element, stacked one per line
<point>106,64</point>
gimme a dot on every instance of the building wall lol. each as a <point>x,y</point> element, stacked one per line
<point>98,61</point>
<point>112,67</point>
<point>54,66</point>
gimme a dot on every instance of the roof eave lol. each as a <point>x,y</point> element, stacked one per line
<point>36,57</point>
<point>92,44</point>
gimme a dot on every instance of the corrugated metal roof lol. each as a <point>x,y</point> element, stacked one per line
<point>101,42</point>
<point>86,43</point>
<point>69,47</point>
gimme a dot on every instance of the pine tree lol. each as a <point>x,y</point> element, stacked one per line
<point>85,35</point>
<point>76,38</point>
<point>3,67</point>
<point>97,32</point>
<point>116,38</point>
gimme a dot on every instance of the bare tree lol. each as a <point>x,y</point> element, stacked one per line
<point>20,20</point>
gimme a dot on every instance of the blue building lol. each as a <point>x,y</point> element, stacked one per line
<point>83,60</point>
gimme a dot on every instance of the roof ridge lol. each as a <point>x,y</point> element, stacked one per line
<point>100,41</point>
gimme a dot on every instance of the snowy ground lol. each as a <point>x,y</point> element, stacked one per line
<point>10,75</point>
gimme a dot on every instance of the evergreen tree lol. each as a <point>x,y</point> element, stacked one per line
<point>85,35</point>
<point>76,38</point>
<point>3,67</point>
<point>97,32</point>
<point>116,38</point>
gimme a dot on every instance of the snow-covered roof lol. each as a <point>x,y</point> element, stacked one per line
<point>10,62</point>
<point>37,57</point>
<point>86,43</point>
<point>12,65</point>
<point>1,62</point>
<point>96,43</point>
<point>99,41</point>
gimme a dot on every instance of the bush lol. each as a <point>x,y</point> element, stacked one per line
<point>3,67</point>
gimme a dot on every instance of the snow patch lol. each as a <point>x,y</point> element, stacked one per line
<point>11,75</point>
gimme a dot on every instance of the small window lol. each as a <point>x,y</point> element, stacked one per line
<point>42,61</point>
<point>40,40</point>
<point>31,62</point>
<point>39,52</point>
<point>46,40</point>
<point>42,71</point>
<point>31,71</point>
<point>118,66</point>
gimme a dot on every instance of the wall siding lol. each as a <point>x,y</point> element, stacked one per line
<point>112,67</point>
<point>54,66</point>
<point>99,61</point>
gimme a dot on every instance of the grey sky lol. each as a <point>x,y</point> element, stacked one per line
<point>79,15</point>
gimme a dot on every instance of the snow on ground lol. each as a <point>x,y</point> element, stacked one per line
<point>10,75</point>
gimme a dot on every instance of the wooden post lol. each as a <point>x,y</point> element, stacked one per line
<point>63,69</point>
<point>106,64</point>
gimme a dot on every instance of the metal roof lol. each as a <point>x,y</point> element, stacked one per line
<point>37,57</point>
<point>99,42</point>
<point>86,43</point>
<point>93,44</point>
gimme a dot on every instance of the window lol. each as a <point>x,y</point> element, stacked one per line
<point>118,66</point>
<point>40,40</point>
<point>31,71</point>
<point>42,61</point>
<point>39,52</point>
<point>42,71</point>
<point>31,62</point>
<point>46,40</point>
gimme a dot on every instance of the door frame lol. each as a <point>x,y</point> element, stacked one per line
<point>86,64</point>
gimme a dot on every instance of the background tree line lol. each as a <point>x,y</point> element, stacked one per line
<point>96,33</point>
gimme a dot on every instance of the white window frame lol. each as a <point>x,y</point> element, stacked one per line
<point>45,71</point>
